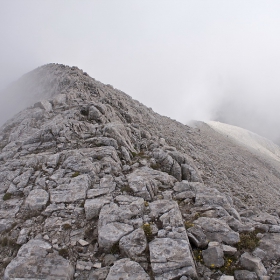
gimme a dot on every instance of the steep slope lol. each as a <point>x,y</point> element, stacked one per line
<point>94,185</point>
<point>252,141</point>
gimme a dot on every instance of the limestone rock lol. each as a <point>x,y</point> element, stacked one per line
<point>111,233</point>
<point>253,264</point>
<point>134,245</point>
<point>37,199</point>
<point>171,257</point>
<point>213,256</point>
<point>74,191</point>
<point>245,275</point>
<point>127,269</point>
<point>218,230</point>
<point>93,206</point>
<point>33,261</point>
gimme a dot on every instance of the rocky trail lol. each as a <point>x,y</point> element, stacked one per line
<point>94,185</point>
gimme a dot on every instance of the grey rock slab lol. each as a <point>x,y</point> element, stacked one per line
<point>99,274</point>
<point>74,191</point>
<point>93,206</point>
<point>134,245</point>
<point>91,193</point>
<point>126,269</point>
<point>111,233</point>
<point>23,234</point>
<point>229,250</point>
<point>160,207</point>
<point>44,104</point>
<point>37,199</point>
<point>34,262</point>
<point>252,263</point>
<point>226,277</point>
<point>5,224</point>
<point>245,275</point>
<point>270,244</point>
<point>218,230</point>
<point>213,256</point>
<point>168,254</point>
<point>197,236</point>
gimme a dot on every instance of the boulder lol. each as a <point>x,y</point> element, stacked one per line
<point>37,199</point>
<point>217,230</point>
<point>110,234</point>
<point>134,245</point>
<point>93,206</point>
<point>127,269</point>
<point>213,256</point>
<point>245,275</point>
<point>76,190</point>
<point>252,263</point>
<point>34,262</point>
<point>171,257</point>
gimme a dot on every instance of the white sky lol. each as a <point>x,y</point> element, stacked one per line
<point>186,59</point>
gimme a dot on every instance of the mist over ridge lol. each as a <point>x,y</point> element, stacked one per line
<point>189,60</point>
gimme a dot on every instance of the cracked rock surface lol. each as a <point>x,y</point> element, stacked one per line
<point>94,185</point>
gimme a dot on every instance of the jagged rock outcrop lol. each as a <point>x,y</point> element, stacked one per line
<point>94,185</point>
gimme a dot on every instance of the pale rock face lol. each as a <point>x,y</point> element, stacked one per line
<point>127,269</point>
<point>37,199</point>
<point>33,261</point>
<point>111,233</point>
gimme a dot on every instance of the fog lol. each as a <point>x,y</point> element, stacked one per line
<point>189,60</point>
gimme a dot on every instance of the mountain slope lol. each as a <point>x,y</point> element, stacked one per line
<point>94,185</point>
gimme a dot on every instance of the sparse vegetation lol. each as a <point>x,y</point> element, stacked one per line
<point>126,189</point>
<point>197,253</point>
<point>155,166</point>
<point>248,240</point>
<point>148,231</point>
<point>63,252</point>
<point>66,226</point>
<point>7,196</point>
<point>115,249</point>
<point>188,224</point>
<point>230,265</point>
<point>75,174</point>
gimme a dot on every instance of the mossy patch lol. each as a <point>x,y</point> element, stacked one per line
<point>75,174</point>
<point>66,226</point>
<point>7,196</point>
<point>63,252</point>
<point>188,224</point>
<point>115,249</point>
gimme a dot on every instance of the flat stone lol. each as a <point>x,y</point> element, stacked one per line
<point>34,262</point>
<point>111,233</point>
<point>252,263</point>
<point>218,230</point>
<point>270,244</point>
<point>74,191</point>
<point>213,256</point>
<point>37,199</point>
<point>93,206</point>
<point>245,275</point>
<point>171,256</point>
<point>226,277</point>
<point>228,250</point>
<point>197,236</point>
<point>134,245</point>
<point>126,269</point>
<point>83,242</point>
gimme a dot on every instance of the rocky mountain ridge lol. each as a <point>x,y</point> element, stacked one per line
<point>94,185</point>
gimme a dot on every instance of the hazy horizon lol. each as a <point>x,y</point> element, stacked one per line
<point>189,60</point>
